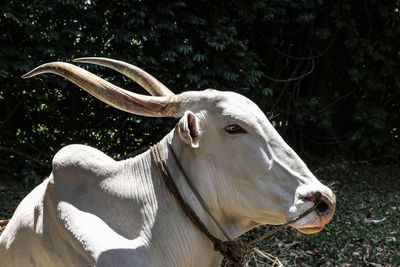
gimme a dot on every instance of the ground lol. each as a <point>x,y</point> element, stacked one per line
<point>365,230</point>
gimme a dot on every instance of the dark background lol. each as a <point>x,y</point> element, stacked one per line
<point>328,72</point>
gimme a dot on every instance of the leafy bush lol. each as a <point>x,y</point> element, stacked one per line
<point>330,69</point>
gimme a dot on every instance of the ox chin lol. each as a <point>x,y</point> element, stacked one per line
<point>310,229</point>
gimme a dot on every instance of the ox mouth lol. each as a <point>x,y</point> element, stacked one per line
<point>310,229</point>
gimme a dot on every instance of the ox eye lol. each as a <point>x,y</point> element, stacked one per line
<point>234,129</point>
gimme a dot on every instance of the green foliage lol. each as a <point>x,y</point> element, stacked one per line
<point>370,133</point>
<point>350,49</point>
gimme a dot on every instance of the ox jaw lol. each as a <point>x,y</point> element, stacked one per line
<point>300,195</point>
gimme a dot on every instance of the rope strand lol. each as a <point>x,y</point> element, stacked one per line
<point>230,250</point>
<point>199,198</point>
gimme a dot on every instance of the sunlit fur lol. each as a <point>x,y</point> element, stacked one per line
<point>93,210</point>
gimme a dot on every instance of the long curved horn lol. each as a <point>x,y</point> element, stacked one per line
<point>153,106</point>
<point>144,79</point>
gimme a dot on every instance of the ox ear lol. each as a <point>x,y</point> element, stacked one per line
<point>188,129</point>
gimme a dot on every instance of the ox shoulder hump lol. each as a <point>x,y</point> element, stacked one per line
<point>81,157</point>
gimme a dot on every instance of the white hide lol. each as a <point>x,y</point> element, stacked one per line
<point>94,211</point>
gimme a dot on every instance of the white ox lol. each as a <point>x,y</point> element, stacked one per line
<point>94,211</point>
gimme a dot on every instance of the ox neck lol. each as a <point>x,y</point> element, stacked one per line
<point>231,250</point>
<point>176,227</point>
<point>234,227</point>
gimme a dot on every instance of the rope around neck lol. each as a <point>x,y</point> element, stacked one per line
<point>231,250</point>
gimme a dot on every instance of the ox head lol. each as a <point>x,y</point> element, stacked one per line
<point>236,157</point>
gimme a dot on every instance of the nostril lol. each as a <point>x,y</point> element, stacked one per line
<point>325,204</point>
<point>322,208</point>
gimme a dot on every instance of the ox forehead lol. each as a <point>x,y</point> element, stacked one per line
<point>226,106</point>
<point>93,210</point>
